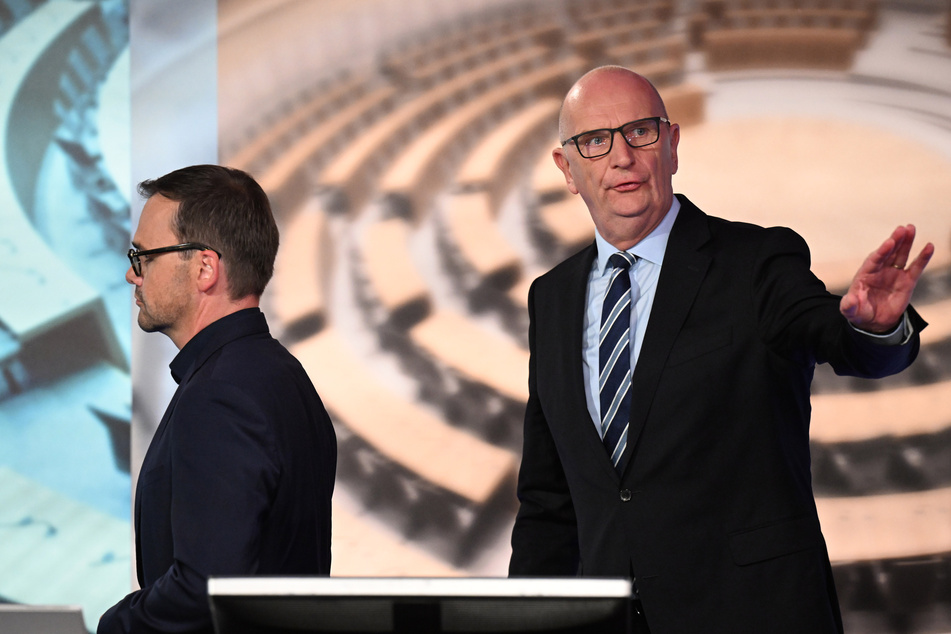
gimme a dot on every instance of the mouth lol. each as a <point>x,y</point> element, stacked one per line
<point>627,186</point>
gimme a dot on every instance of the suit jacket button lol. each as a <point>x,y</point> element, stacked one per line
<point>625,495</point>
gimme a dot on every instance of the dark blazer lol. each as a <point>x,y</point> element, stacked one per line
<point>714,514</point>
<point>237,480</point>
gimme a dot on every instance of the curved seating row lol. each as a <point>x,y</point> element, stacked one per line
<point>486,358</point>
<point>279,129</point>
<point>465,98</point>
<point>774,34</point>
<point>386,280</point>
<point>588,12</point>
<point>498,161</point>
<point>563,227</point>
<point>297,295</point>
<point>358,540</point>
<point>780,47</point>
<point>476,254</point>
<point>891,526</point>
<point>60,300</point>
<point>661,59</point>
<point>424,166</point>
<point>559,222</point>
<point>893,553</point>
<point>434,345</point>
<point>890,463</point>
<point>441,481</point>
<point>420,64</point>
<point>853,416</point>
<point>592,43</point>
<point>331,140</point>
<point>287,178</point>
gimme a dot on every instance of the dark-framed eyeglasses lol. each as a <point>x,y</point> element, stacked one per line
<point>595,143</point>
<point>135,257</point>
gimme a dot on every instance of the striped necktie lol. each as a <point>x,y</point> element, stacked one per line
<point>614,380</point>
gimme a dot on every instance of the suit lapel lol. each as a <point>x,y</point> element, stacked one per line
<point>682,272</point>
<point>575,289</point>
<point>566,307</point>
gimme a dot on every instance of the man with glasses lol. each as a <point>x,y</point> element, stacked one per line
<point>239,475</point>
<point>667,427</point>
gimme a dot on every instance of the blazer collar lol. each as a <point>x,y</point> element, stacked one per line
<point>567,311</point>
<point>249,321</point>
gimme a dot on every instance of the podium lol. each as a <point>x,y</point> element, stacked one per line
<point>252,605</point>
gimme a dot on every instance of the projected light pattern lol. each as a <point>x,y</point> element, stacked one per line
<point>417,200</point>
<point>65,392</point>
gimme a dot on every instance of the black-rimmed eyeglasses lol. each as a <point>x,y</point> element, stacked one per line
<point>135,257</point>
<point>595,143</point>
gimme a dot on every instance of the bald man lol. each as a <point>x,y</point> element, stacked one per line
<point>667,426</point>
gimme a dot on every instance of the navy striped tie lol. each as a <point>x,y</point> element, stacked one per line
<point>614,380</point>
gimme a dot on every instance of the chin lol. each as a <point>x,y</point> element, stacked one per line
<point>148,325</point>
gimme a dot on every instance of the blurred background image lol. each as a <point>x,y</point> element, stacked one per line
<point>65,390</point>
<point>405,146</point>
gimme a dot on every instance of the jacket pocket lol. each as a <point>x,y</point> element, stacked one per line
<point>775,540</point>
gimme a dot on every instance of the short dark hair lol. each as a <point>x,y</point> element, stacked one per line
<point>227,210</point>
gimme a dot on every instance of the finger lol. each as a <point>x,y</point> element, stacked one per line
<point>883,255</point>
<point>904,239</point>
<point>918,265</point>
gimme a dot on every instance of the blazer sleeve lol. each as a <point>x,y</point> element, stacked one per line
<point>800,319</point>
<point>545,536</point>
<point>223,475</point>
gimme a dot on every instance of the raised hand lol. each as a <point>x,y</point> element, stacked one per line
<point>882,287</point>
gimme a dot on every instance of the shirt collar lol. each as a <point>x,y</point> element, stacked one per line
<point>651,248</point>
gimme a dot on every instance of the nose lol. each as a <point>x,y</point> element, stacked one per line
<point>621,154</point>
<point>131,277</point>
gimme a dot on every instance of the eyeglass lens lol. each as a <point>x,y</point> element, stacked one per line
<point>636,134</point>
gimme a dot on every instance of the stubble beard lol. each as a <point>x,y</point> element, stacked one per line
<point>148,321</point>
<point>162,315</point>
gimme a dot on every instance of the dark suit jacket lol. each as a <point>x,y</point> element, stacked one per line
<point>714,514</point>
<point>237,480</point>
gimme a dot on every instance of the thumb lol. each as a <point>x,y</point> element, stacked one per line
<point>848,306</point>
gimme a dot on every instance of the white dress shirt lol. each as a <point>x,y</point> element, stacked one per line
<point>644,275</point>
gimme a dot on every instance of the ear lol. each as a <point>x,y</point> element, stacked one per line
<point>561,160</point>
<point>209,270</point>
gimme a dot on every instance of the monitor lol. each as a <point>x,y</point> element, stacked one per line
<point>49,619</point>
<point>420,605</point>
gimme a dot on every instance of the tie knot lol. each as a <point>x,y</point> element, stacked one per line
<point>622,260</point>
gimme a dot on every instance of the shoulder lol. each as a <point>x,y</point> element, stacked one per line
<point>574,266</point>
<point>256,371</point>
<point>692,223</point>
